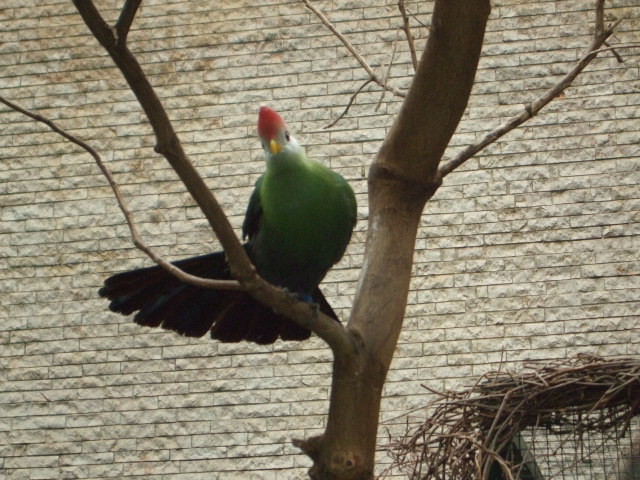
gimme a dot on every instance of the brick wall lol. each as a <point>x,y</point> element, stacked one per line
<point>530,251</point>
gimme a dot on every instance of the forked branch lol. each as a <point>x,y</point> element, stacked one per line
<point>533,108</point>
<point>168,144</point>
<point>123,25</point>
<point>351,100</point>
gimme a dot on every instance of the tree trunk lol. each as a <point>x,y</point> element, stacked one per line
<point>401,180</point>
<point>346,450</point>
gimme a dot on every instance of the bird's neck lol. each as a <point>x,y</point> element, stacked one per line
<point>288,160</point>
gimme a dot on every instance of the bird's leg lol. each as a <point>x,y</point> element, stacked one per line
<point>303,297</point>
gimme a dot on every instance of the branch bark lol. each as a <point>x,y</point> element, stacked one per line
<point>123,25</point>
<point>435,103</point>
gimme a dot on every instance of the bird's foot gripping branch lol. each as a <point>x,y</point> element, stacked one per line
<point>297,226</point>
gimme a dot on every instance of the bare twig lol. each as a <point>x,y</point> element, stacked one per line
<point>599,27</point>
<point>351,100</point>
<point>137,240</point>
<point>609,48</point>
<point>388,72</point>
<point>352,50</point>
<point>415,17</point>
<point>599,18</point>
<point>407,32</point>
<point>615,53</point>
<point>532,108</point>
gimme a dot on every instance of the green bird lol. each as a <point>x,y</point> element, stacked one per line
<point>297,226</point>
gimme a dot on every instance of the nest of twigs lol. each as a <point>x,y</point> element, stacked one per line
<point>468,430</point>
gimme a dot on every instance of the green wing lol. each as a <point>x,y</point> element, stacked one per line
<point>253,217</point>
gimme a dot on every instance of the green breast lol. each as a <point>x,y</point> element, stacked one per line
<point>308,214</point>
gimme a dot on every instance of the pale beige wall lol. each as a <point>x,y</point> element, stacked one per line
<point>528,252</point>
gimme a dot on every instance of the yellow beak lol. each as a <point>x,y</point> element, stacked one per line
<point>275,147</point>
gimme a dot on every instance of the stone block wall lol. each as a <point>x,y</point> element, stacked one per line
<point>529,251</point>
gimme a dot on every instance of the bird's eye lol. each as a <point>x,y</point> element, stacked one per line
<point>287,136</point>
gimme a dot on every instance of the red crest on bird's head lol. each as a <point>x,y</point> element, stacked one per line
<point>269,123</point>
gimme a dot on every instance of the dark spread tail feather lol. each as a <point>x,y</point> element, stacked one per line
<point>161,300</point>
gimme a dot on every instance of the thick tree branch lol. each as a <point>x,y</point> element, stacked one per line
<point>168,144</point>
<point>403,176</point>
<point>438,96</point>
<point>532,108</point>
<point>599,18</point>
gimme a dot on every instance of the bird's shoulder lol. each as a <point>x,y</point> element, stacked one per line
<point>253,216</point>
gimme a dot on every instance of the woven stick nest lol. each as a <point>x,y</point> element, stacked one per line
<point>463,437</point>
